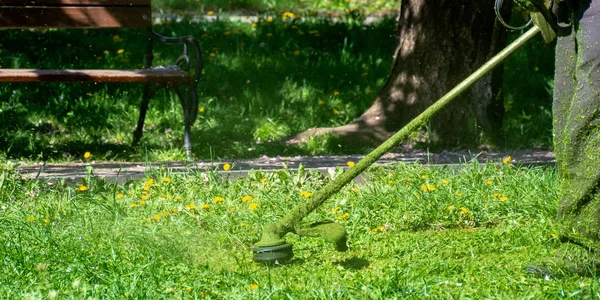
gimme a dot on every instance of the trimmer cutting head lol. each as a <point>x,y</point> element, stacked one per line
<point>272,254</point>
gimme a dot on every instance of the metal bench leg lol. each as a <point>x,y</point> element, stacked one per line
<point>190,113</point>
<point>149,91</point>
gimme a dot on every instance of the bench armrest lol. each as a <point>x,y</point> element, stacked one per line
<point>187,42</point>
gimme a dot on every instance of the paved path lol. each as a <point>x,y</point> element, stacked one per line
<point>123,171</point>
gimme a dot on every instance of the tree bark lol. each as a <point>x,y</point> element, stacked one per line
<point>439,44</point>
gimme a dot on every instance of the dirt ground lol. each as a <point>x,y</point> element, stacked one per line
<point>122,171</point>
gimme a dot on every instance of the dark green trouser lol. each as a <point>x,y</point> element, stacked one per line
<point>577,124</point>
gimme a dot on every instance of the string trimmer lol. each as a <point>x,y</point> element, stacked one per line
<point>273,247</point>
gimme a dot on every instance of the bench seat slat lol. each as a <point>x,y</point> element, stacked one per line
<point>75,17</point>
<point>143,75</point>
<point>76,2</point>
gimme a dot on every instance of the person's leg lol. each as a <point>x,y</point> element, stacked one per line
<point>577,127</point>
<point>576,113</point>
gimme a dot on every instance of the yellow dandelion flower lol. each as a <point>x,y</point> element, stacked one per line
<point>120,51</point>
<point>459,194</point>
<point>247,198</point>
<point>305,194</point>
<point>374,231</point>
<point>119,137</point>
<point>287,15</point>
<point>157,217</point>
<point>142,202</point>
<point>252,287</point>
<point>489,182</point>
<point>201,109</point>
<point>120,196</point>
<point>355,189</point>
<point>451,207</point>
<point>343,217</point>
<point>503,198</point>
<point>424,176</point>
<point>335,209</point>
<point>87,154</point>
<point>190,206</point>
<point>506,159</point>
<point>391,182</point>
<point>212,54</point>
<point>144,197</point>
<point>46,221</point>
<point>264,180</point>
<point>83,188</point>
<point>188,289</point>
<point>117,39</point>
<point>445,181</point>
<point>464,210</point>
<point>226,167</point>
<point>383,228</point>
<point>167,179</point>
<point>165,213</point>
<point>218,199</point>
<point>210,13</point>
<point>205,206</point>
<point>253,25</point>
<point>133,205</point>
<point>428,188</point>
<point>496,195</point>
<point>350,164</point>
<point>336,112</point>
<point>253,206</point>
<point>30,219</point>
<point>269,19</point>
<point>336,93</point>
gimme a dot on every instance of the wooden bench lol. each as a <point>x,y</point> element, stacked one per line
<point>182,78</point>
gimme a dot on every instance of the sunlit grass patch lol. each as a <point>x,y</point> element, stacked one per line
<point>168,235</point>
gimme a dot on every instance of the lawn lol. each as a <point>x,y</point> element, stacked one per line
<point>414,231</point>
<point>264,80</point>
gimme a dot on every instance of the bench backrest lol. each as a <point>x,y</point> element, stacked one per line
<point>75,13</point>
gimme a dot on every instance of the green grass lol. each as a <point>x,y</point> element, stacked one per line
<point>413,232</point>
<point>261,83</point>
<point>253,6</point>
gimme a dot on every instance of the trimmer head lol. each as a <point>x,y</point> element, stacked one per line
<point>271,254</point>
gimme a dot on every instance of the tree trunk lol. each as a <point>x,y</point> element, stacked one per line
<point>439,44</point>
